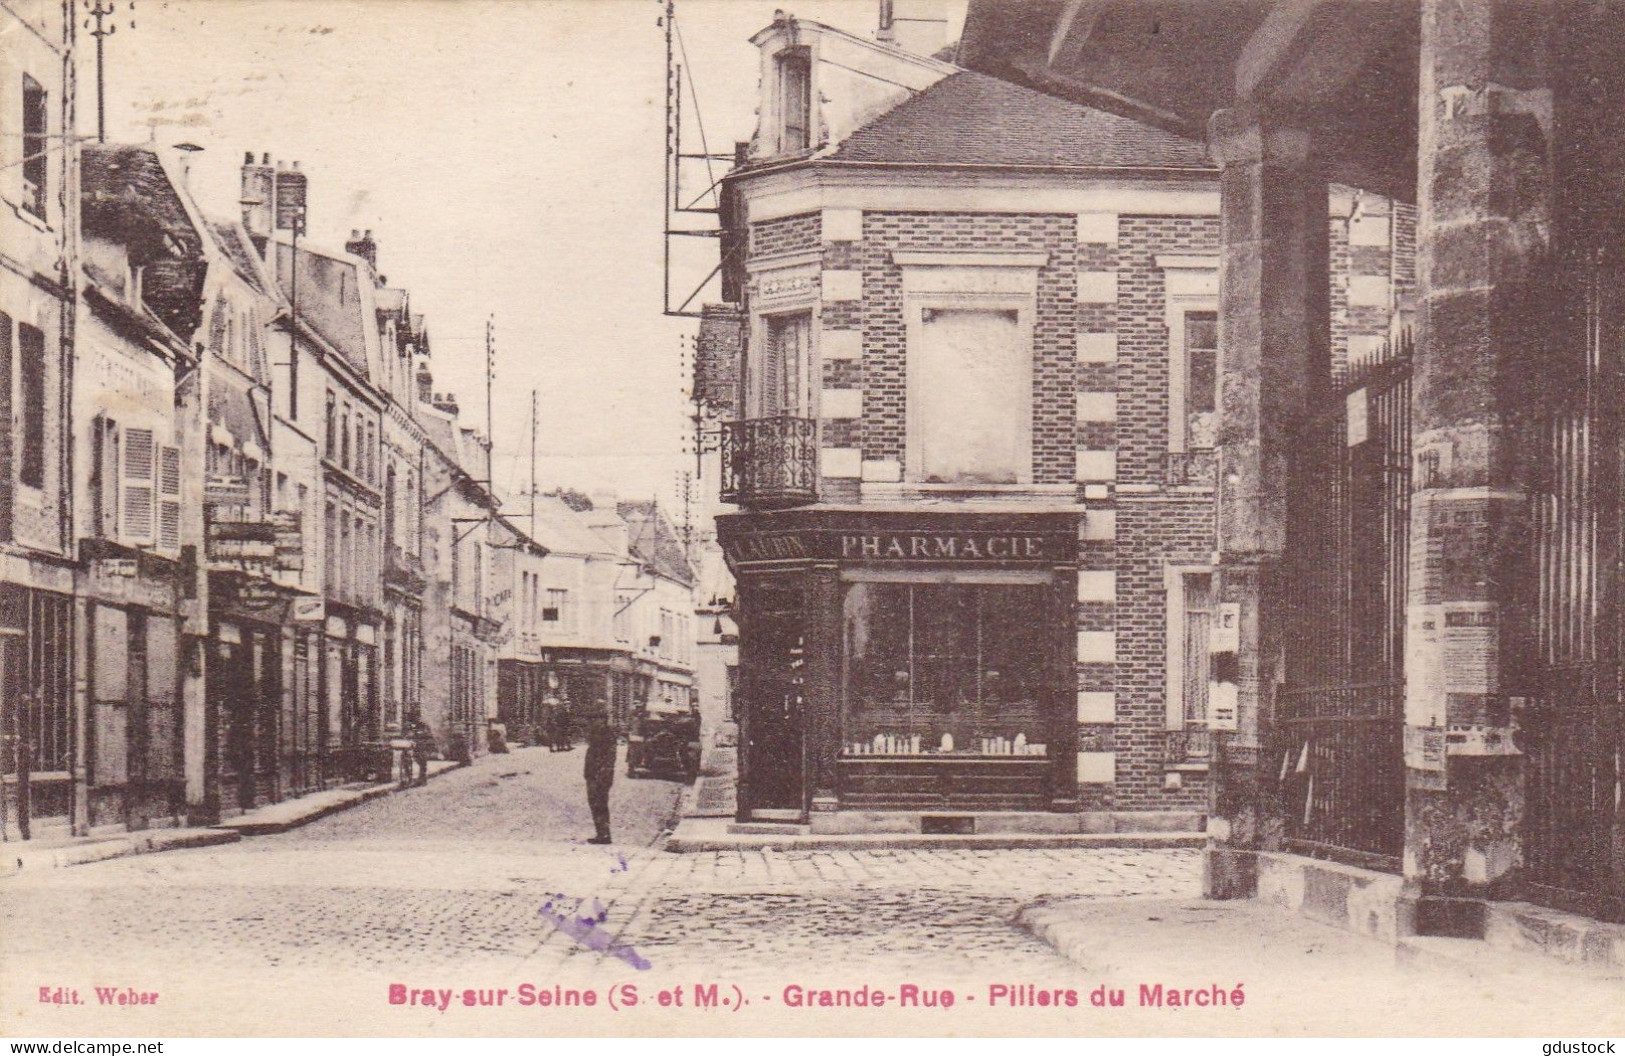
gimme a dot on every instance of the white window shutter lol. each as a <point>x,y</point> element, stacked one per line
<point>136,509</point>
<point>169,499</point>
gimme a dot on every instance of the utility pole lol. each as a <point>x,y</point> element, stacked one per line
<point>533,464</point>
<point>490,376</point>
<point>104,28</point>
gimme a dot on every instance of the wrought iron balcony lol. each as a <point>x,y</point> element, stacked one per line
<point>404,571</point>
<point>1198,468</point>
<point>770,461</point>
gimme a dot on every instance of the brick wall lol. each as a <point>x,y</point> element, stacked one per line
<point>789,234</point>
<point>1054,327</point>
<point>1153,532</point>
<point>1142,335</point>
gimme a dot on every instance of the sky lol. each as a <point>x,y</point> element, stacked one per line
<point>507,156</point>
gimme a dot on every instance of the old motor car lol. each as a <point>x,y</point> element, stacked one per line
<point>664,742</point>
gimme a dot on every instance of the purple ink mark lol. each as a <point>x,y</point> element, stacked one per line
<point>586,931</point>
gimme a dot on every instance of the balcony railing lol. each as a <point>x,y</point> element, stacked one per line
<point>404,571</point>
<point>1198,468</point>
<point>770,461</point>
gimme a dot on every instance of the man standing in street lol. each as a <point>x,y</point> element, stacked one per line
<point>600,770</point>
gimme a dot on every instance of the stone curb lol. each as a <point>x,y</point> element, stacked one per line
<point>150,841</point>
<point>319,810</point>
<point>681,843</point>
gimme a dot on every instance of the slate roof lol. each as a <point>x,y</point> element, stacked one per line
<point>232,240</point>
<point>969,118</point>
<point>650,538</point>
<point>128,197</point>
<point>564,531</point>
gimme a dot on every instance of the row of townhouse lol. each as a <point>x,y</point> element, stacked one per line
<point>602,616</point>
<point>969,351</point>
<point>243,544</point>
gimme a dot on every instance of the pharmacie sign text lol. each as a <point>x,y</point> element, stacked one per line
<point>942,546</point>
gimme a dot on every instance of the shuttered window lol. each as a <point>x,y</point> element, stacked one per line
<point>136,503</point>
<point>31,349</point>
<point>169,499</point>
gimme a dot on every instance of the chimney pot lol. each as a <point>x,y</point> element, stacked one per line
<point>248,157</point>
<point>265,159</point>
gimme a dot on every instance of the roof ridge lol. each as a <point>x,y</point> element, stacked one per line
<point>973,118</point>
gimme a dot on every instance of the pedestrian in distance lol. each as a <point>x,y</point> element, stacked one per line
<point>422,748</point>
<point>600,770</point>
<point>563,735</point>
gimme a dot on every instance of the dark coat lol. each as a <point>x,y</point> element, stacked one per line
<point>600,762</point>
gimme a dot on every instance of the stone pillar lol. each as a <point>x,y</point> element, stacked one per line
<point>1275,332</point>
<point>1484,240</point>
<point>821,718</point>
<point>1063,701</point>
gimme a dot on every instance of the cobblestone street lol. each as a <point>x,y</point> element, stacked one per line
<point>452,887</point>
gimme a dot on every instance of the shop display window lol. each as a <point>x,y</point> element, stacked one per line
<point>942,669</point>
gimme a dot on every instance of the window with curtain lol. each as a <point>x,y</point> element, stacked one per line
<point>1201,378</point>
<point>1198,619</point>
<point>784,365</point>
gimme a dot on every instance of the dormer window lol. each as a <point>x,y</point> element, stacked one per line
<point>795,100</point>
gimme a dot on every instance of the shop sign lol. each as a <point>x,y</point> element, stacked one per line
<point>250,546</point>
<point>769,546</point>
<point>979,547</point>
<point>257,596</point>
<point>944,546</point>
<point>289,541</point>
<point>221,489</point>
<point>120,579</point>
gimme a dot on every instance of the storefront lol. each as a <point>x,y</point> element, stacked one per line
<point>916,664</point>
<point>245,678</point>
<point>38,740</point>
<point>135,777</point>
<point>355,745</point>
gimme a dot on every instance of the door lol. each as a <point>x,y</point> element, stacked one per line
<point>773,644</point>
<point>139,794</point>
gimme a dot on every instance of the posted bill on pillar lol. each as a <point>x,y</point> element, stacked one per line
<point>553,518</point>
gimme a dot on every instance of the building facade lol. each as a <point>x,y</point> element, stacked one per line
<point>41,744</point>
<point>135,423</point>
<point>975,453</point>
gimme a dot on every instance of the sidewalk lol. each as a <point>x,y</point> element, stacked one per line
<point>1302,976</point>
<point>292,813</point>
<point>63,851</point>
<point>706,823</point>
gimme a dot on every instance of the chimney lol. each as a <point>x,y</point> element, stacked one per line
<point>291,187</point>
<point>425,384</point>
<point>361,245</point>
<point>259,190</point>
<point>918,26</point>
